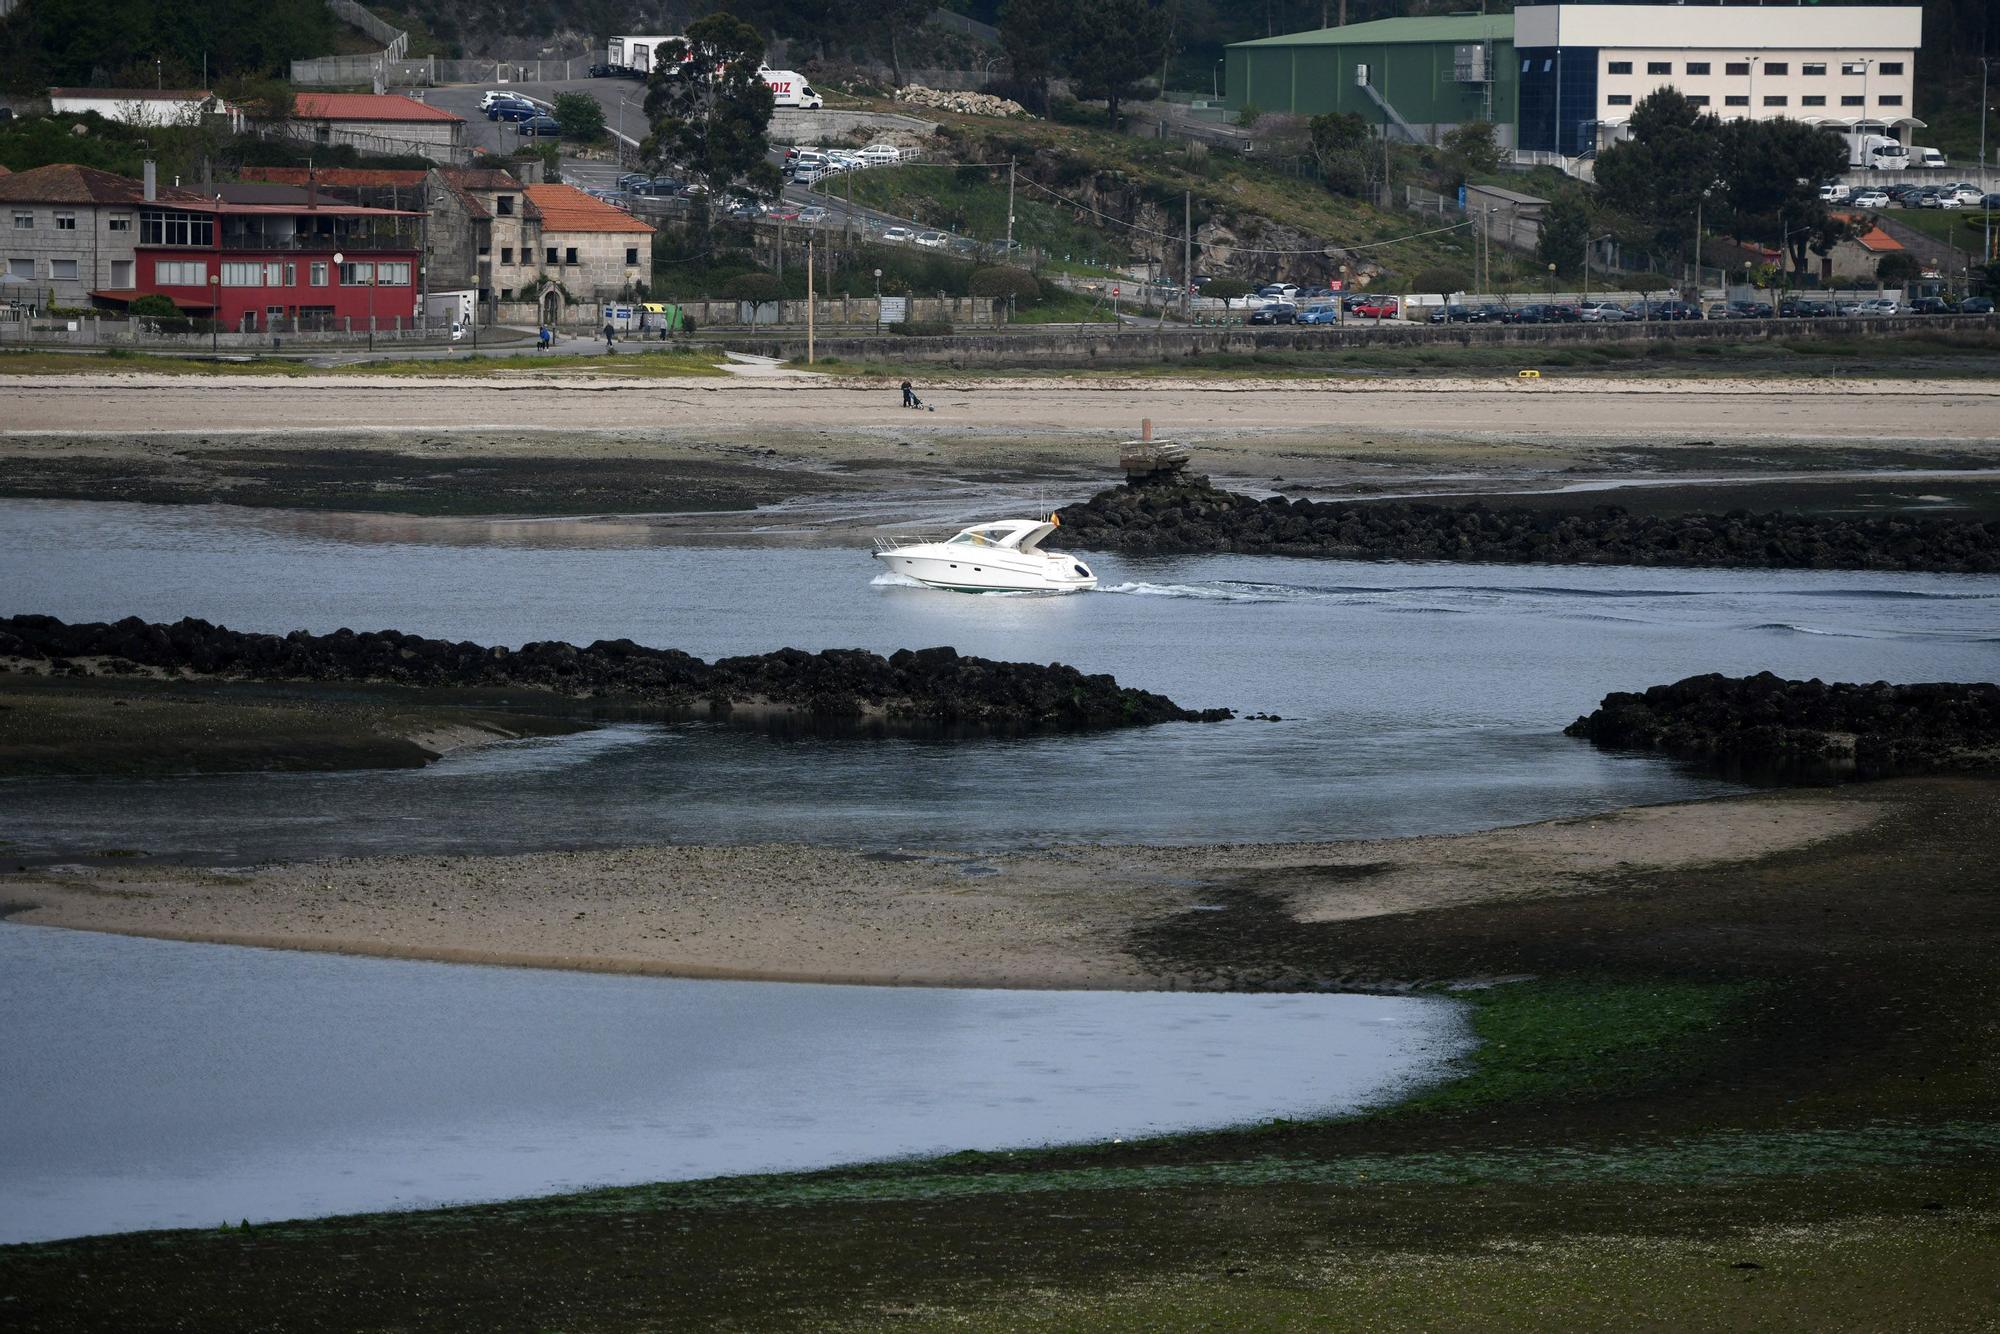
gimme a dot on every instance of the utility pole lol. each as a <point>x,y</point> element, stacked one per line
<point>1010,210</point>
<point>809,299</point>
<point>1986,254</point>
<point>1187,257</point>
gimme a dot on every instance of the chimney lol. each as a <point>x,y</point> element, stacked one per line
<point>152,181</point>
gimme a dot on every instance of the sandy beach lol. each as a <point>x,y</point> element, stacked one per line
<point>1054,919</point>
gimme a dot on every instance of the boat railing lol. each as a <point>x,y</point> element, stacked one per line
<point>897,541</point>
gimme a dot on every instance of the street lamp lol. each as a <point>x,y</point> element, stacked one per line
<point>878,301</point>
<point>1552,280</point>
<point>214,313</point>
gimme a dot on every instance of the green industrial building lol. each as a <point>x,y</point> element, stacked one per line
<point>1419,76</point>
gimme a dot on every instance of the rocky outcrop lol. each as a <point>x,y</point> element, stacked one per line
<point>1175,515</point>
<point>1766,724</point>
<point>968,104</point>
<point>928,686</point>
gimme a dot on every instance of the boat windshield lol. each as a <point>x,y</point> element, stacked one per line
<point>985,537</point>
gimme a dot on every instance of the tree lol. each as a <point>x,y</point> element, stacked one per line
<point>1444,279</point>
<point>709,109</point>
<point>1567,224</point>
<point>580,115</point>
<point>1035,36</point>
<point>1226,289</point>
<point>1898,267</point>
<point>1468,150</point>
<point>893,21</point>
<point>1004,280</point>
<point>1340,145</point>
<point>1771,172</point>
<point>1113,45</point>
<point>758,288</point>
<point>1667,166</point>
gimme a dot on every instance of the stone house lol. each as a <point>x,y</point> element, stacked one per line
<point>378,123</point>
<point>71,231</point>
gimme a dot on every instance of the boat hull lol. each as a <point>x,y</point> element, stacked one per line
<point>990,572</point>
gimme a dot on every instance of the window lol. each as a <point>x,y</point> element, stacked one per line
<point>1616,100</point>
<point>356,275</point>
<point>1813,100</point>
<point>631,254</point>
<point>1850,100</point>
<point>62,270</point>
<point>1777,67</point>
<point>118,222</point>
<point>291,275</point>
<point>505,204</point>
<point>121,273</point>
<point>506,294</point>
<point>1812,69</point>
<point>65,220</point>
<point>24,222</point>
<point>1739,68</point>
<point>319,273</point>
<point>1736,100</point>
<point>1659,67</point>
<point>569,255</point>
<point>392,275</point>
<point>1697,67</point>
<point>1891,99</point>
<point>1619,67</point>
<point>168,227</point>
<point>1548,65</point>
<point>1892,67</point>
<point>1698,100</point>
<point>552,255</point>
<point>180,272</point>
<point>1777,100</point>
<point>242,275</point>
<point>506,254</point>
<point>1853,67</point>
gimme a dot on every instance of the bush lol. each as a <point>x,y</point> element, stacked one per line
<point>1898,266</point>
<point>580,115</point>
<point>922,328</point>
<point>1004,280</point>
<point>1226,289</point>
<point>154,305</point>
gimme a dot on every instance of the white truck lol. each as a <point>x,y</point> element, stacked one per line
<point>1876,152</point>
<point>634,55</point>
<point>790,88</point>
<point>459,308</point>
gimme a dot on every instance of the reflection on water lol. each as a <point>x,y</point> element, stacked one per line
<point>1415,697</point>
<point>159,1084</point>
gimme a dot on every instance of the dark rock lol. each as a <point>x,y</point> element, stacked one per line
<point>1767,725</point>
<point>1180,514</point>
<point>934,685</point>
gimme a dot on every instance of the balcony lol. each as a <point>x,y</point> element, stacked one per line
<point>360,242</point>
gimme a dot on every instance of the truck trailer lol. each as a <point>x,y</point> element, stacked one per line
<point>1875,152</point>
<point>634,56</point>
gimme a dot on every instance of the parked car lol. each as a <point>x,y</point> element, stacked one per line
<point>1279,291</point>
<point>745,210</point>
<point>1560,312</point>
<point>1674,310</point>
<point>1275,312</point>
<point>813,215</point>
<point>1751,310</point>
<point>1932,305</point>
<point>494,95</point>
<point>1377,308</point>
<point>1976,305</point>
<point>1881,305</point>
<point>1491,312</point>
<point>1871,199</point>
<point>1533,313</point>
<point>1324,314</point>
<point>881,155</point>
<point>932,240</point>
<point>514,111</point>
<point>1807,309</point>
<point>539,125</point>
<point>1991,201</point>
<point>898,235</point>
<point>601,71</point>
<point>1968,195</point>
<point>1600,312</point>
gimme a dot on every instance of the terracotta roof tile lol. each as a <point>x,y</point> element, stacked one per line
<point>332,176</point>
<point>564,208</point>
<point>67,183</point>
<point>364,106</point>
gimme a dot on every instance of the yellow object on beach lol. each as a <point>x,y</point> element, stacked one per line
<point>1531,375</point>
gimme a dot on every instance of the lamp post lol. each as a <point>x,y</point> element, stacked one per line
<point>1697,236</point>
<point>1751,300</point>
<point>214,313</point>
<point>1987,253</point>
<point>1340,306</point>
<point>878,301</point>
<point>1552,280</point>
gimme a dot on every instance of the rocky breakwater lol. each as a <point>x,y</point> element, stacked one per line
<point>1178,514</point>
<point>1767,724</point>
<point>933,686</point>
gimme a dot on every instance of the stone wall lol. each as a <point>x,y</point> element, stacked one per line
<point>1074,345</point>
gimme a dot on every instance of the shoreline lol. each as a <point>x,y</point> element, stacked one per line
<point>1056,919</point>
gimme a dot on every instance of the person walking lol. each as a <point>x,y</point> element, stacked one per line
<point>608,331</point>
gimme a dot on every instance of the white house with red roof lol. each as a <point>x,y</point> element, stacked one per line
<point>379,123</point>
<point>155,108</point>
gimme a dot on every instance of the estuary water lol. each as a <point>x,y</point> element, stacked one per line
<point>1414,698</point>
<point>151,1084</point>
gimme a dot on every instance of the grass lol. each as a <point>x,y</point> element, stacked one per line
<point>972,201</point>
<point>1963,228</point>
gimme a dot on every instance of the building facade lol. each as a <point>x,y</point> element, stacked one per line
<point>1563,79</point>
<point>157,108</point>
<point>69,232</point>
<point>379,123</point>
<point>1584,67</point>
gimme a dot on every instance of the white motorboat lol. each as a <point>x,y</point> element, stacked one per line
<point>1001,557</point>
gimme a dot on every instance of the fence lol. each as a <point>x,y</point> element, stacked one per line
<point>395,42</point>
<point>88,332</point>
<point>380,145</point>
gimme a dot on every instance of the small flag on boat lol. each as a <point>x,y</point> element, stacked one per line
<point>1056,519</point>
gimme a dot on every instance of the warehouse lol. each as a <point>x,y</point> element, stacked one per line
<point>1563,79</point>
<point>1419,76</point>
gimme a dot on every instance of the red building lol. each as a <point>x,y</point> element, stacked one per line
<point>280,267</point>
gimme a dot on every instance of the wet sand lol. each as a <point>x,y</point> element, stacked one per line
<point>1055,919</point>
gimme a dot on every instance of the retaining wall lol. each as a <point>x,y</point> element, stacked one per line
<point>1104,345</point>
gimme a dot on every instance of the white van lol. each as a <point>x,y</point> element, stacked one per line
<point>790,89</point>
<point>1927,157</point>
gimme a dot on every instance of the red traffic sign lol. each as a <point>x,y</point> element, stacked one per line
<point>1114,291</point>
<point>1335,285</point>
